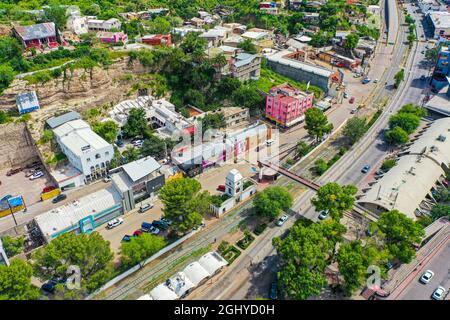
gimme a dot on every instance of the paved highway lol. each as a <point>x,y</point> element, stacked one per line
<point>439,264</point>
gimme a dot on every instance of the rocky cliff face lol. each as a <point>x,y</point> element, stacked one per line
<point>79,90</point>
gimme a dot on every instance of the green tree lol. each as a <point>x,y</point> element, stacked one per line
<point>407,121</point>
<point>9,48</point>
<point>15,282</point>
<point>213,121</point>
<point>399,77</point>
<point>193,44</point>
<point>159,25</point>
<point>399,234</point>
<point>131,154</point>
<point>409,19</point>
<point>414,109</point>
<point>335,198</point>
<point>6,76</point>
<point>432,55</point>
<point>91,253</point>
<point>302,149</point>
<point>439,211</point>
<point>248,46</point>
<point>351,41</point>
<point>316,123</point>
<point>136,123</point>
<point>156,147</point>
<point>270,202</point>
<point>56,14</point>
<point>354,130</point>
<point>108,130</point>
<point>12,246</point>
<point>140,248</point>
<point>249,98</point>
<point>396,136</point>
<point>320,166</point>
<point>388,164</point>
<point>184,203</point>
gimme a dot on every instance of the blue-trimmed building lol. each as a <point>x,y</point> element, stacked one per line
<point>81,216</point>
<point>27,102</point>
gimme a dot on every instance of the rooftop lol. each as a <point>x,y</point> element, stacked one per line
<point>280,57</point>
<point>440,19</point>
<point>59,120</point>
<point>68,215</point>
<point>36,31</point>
<point>78,136</point>
<point>417,170</point>
<point>140,168</point>
<point>27,100</point>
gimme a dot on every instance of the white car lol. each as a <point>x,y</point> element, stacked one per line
<point>324,214</point>
<point>426,276</point>
<point>37,175</point>
<point>114,223</point>
<point>438,294</point>
<point>154,230</point>
<point>138,143</point>
<point>281,220</point>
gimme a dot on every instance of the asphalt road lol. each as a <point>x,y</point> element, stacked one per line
<point>440,265</point>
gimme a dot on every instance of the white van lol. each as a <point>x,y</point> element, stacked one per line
<point>269,142</point>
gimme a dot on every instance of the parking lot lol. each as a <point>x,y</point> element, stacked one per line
<point>440,265</point>
<point>19,185</point>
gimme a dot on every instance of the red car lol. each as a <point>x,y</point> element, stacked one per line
<point>221,188</point>
<point>352,99</point>
<point>137,233</point>
<point>48,189</point>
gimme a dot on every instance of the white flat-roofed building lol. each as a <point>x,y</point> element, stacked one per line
<point>103,25</point>
<point>85,149</point>
<point>180,284</point>
<point>440,21</point>
<point>427,6</point>
<point>212,262</point>
<point>420,167</point>
<point>196,273</point>
<point>82,215</point>
<point>163,292</point>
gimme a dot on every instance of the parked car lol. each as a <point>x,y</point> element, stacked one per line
<point>273,294</point>
<point>145,207</point>
<point>153,230</point>
<point>160,224</point>
<point>426,276</point>
<point>5,198</point>
<point>375,81</point>
<point>137,143</point>
<point>36,175</point>
<point>345,95</point>
<point>137,233</point>
<point>438,294</point>
<point>59,197</point>
<point>166,221</point>
<point>379,172</point>
<point>281,220</point>
<point>146,226</point>
<point>48,189</point>
<point>324,214</point>
<point>114,223</point>
<point>126,238</point>
<point>365,169</point>
<point>354,110</point>
<point>119,143</point>
<point>352,99</point>
<point>13,171</point>
<point>50,286</point>
<point>422,77</point>
<point>106,179</point>
<point>365,81</point>
<point>221,188</point>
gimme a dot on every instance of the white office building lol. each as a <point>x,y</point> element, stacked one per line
<point>86,151</point>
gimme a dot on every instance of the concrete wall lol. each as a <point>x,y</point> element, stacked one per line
<point>247,193</point>
<point>16,146</point>
<point>226,206</point>
<point>300,75</point>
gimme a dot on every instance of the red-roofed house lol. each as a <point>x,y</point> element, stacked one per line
<point>157,40</point>
<point>37,35</point>
<point>287,105</point>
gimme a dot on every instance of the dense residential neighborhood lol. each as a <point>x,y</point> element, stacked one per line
<point>225,150</point>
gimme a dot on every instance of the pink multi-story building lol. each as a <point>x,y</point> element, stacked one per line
<point>287,105</point>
